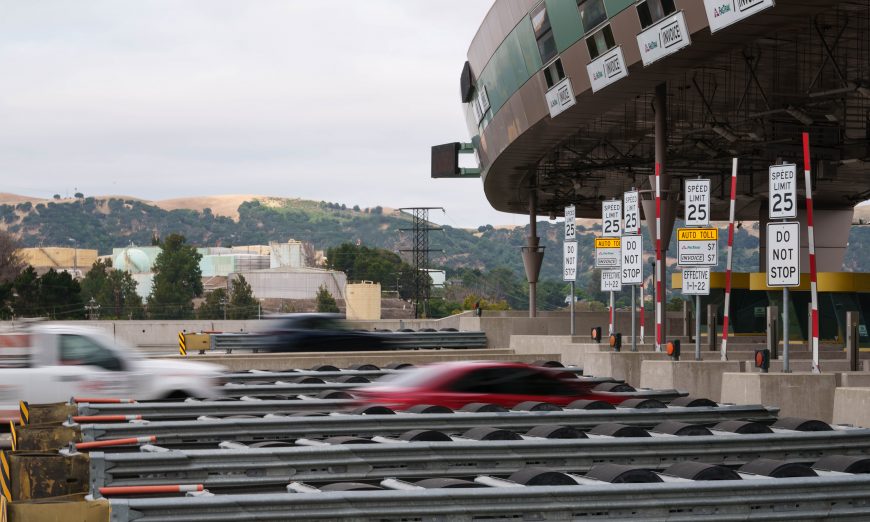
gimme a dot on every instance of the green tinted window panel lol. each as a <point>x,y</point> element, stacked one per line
<point>515,61</point>
<point>565,19</point>
<point>615,6</point>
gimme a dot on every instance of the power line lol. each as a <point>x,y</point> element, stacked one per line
<point>420,253</point>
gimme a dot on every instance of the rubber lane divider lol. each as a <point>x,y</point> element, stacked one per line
<point>102,400</point>
<point>5,477</point>
<point>24,412</point>
<point>149,490</point>
<point>105,418</point>
<point>115,442</point>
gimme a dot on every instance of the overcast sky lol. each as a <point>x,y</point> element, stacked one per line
<point>337,101</point>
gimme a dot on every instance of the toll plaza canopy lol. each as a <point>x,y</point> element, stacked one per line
<point>560,100</point>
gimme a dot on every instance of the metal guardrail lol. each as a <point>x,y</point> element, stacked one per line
<point>289,388</point>
<point>264,468</point>
<point>206,433</point>
<point>818,498</point>
<point>229,342</point>
<point>257,375</point>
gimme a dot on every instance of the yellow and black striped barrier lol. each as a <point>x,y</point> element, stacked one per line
<point>182,344</point>
<point>24,412</point>
<point>5,477</point>
<point>14,435</point>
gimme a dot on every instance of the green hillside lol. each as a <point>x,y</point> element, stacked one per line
<point>106,223</point>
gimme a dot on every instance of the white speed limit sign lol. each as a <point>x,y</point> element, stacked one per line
<point>611,218</point>
<point>631,212</point>
<point>783,192</point>
<point>570,224</point>
<point>697,202</point>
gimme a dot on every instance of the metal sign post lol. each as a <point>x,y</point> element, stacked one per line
<point>696,281</point>
<point>611,226</point>
<point>631,225</point>
<point>571,235</point>
<point>782,204</point>
<point>698,247</point>
<point>611,282</point>
<point>632,272</point>
<point>569,272</point>
<point>783,265</point>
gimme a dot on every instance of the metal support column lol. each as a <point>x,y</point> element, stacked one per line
<point>633,316</point>
<point>660,106</point>
<point>712,311</point>
<point>533,253</point>
<point>852,338</point>
<point>785,361</point>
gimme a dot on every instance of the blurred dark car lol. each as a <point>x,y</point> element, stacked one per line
<point>316,332</point>
<point>455,384</point>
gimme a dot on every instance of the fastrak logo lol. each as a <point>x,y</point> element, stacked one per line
<point>746,5</point>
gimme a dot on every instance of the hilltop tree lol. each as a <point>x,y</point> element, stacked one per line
<point>177,280</point>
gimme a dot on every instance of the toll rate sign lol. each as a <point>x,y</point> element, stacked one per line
<point>696,281</point>
<point>698,246</point>
<point>783,254</point>
<point>607,252</point>
<point>632,260</point>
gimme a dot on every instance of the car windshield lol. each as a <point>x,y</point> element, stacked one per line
<point>413,377</point>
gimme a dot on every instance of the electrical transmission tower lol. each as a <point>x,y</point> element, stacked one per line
<point>420,253</point>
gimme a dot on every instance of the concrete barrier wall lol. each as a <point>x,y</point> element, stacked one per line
<point>622,365</point>
<point>699,378</point>
<point>805,395</point>
<point>852,406</point>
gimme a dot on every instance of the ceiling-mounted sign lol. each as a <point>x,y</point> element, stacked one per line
<point>697,200</point>
<point>611,218</point>
<point>607,252</point>
<point>722,13</point>
<point>665,37</point>
<point>782,203</point>
<point>570,223</point>
<point>606,69</point>
<point>631,213</point>
<point>610,281</point>
<point>783,254</point>
<point>696,281</point>
<point>698,246</point>
<point>569,266</point>
<point>560,97</point>
<point>632,260</point>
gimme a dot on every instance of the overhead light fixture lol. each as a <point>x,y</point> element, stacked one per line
<point>799,115</point>
<point>725,133</point>
<point>706,148</point>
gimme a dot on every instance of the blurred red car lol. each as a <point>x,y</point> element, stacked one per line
<point>456,384</point>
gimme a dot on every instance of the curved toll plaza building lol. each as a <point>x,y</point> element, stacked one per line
<point>571,102</point>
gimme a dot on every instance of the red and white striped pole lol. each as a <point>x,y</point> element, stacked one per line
<point>658,276</point>
<point>641,313</point>
<point>814,295</point>
<point>109,491</point>
<point>724,349</point>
